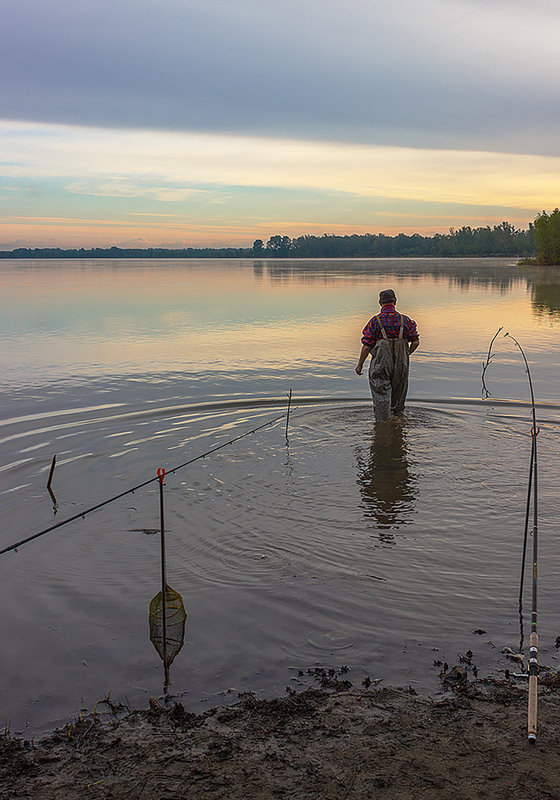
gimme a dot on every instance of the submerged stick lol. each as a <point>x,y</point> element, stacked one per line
<point>288,415</point>
<point>51,473</point>
<point>49,490</point>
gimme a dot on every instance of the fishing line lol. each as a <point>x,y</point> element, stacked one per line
<point>83,514</point>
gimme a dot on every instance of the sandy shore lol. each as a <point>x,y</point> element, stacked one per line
<point>343,744</point>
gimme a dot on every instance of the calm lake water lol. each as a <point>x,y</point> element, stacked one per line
<point>380,549</point>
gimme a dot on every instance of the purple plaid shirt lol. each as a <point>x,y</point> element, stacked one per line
<point>391,321</point>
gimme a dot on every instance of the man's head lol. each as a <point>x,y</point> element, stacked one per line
<point>387,296</point>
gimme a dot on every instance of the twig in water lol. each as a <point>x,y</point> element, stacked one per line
<point>288,417</point>
<point>485,391</point>
<point>49,490</point>
<point>51,473</point>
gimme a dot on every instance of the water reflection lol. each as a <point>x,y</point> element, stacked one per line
<point>387,486</point>
<point>545,293</point>
<point>169,643</point>
<point>53,500</point>
<point>458,273</point>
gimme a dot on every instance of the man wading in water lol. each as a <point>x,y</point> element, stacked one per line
<point>390,337</point>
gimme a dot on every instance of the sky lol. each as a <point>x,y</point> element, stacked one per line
<point>214,122</point>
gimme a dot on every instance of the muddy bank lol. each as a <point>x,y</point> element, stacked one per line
<point>344,745</point>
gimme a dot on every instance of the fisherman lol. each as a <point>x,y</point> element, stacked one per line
<point>390,337</point>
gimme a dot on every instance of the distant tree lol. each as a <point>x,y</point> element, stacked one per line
<point>258,246</point>
<point>547,237</point>
<point>279,245</point>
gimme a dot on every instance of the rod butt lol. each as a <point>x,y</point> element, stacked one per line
<point>532,709</point>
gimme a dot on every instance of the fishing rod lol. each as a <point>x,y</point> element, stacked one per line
<point>83,514</point>
<point>533,662</point>
<point>532,493</point>
<point>525,537</point>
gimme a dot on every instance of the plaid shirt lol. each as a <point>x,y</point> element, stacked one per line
<point>391,321</point>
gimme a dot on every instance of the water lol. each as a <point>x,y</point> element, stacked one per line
<point>382,551</point>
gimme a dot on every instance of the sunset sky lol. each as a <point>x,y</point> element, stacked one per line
<point>215,122</point>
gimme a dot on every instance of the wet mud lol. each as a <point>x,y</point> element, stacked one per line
<point>339,742</point>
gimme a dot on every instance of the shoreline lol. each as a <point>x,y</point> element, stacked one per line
<point>342,744</point>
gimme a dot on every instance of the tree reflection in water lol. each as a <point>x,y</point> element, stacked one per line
<point>545,292</point>
<point>387,486</point>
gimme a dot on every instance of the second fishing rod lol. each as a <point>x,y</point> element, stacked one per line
<point>532,494</point>
<point>532,501</point>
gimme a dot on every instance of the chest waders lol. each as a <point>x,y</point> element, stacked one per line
<point>388,373</point>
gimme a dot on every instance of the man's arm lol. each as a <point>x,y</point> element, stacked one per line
<point>366,350</point>
<point>413,345</point>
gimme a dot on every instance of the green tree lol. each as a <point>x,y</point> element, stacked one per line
<point>547,237</point>
<point>258,246</point>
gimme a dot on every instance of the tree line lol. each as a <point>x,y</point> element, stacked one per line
<point>500,240</point>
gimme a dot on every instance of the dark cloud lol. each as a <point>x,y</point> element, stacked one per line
<point>428,73</point>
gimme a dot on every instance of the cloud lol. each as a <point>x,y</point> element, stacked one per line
<point>172,166</point>
<point>151,214</point>
<point>126,188</point>
<point>444,74</point>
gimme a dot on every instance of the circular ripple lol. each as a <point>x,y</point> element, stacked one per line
<point>331,640</point>
<point>227,561</point>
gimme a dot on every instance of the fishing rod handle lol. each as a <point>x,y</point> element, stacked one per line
<point>533,688</point>
<point>532,709</point>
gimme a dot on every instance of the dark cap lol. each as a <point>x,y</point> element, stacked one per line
<point>387,296</point>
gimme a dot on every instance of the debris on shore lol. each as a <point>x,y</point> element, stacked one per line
<point>342,744</point>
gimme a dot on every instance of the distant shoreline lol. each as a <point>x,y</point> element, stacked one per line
<point>502,240</point>
<point>88,255</point>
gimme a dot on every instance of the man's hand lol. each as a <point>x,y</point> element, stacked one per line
<point>366,350</point>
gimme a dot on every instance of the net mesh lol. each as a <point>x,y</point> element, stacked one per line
<point>175,617</point>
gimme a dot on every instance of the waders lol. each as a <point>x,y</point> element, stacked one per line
<point>388,374</point>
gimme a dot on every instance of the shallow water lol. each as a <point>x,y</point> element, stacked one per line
<point>354,545</point>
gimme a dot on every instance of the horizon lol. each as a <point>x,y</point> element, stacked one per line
<point>265,241</point>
